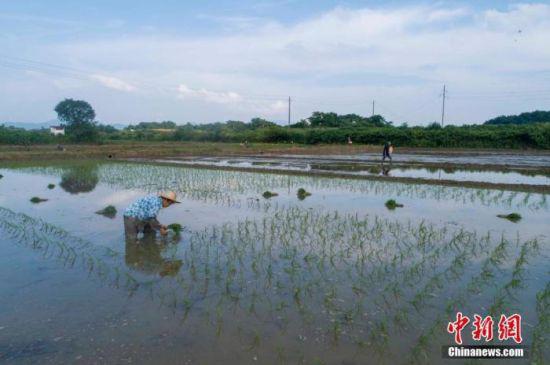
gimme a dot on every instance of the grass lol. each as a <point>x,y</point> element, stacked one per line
<point>36,200</point>
<point>109,211</point>
<point>302,194</point>
<point>269,194</point>
<point>513,217</point>
<point>175,227</point>
<point>392,204</point>
<point>135,149</point>
<point>51,186</point>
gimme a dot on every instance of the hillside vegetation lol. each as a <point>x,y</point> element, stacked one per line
<point>523,118</point>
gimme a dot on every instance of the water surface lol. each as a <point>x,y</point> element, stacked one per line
<point>335,278</point>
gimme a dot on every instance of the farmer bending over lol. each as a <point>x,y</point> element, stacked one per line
<point>141,216</point>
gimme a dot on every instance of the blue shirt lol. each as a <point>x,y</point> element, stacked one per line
<point>144,208</point>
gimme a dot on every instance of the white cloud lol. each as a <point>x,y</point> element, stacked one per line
<point>184,92</point>
<point>113,83</point>
<point>339,61</point>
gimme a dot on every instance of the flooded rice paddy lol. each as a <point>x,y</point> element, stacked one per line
<point>528,159</point>
<point>334,277</point>
<point>401,168</point>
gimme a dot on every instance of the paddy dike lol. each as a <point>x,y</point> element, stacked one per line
<point>517,172</point>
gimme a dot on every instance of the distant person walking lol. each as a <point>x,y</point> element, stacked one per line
<point>387,151</point>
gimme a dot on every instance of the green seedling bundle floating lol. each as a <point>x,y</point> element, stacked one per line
<point>51,186</point>
<point>513,217</point>
<point>36,200</point>
<point>392,204</point>
<point>302,193</point>
<point>269,194</point>
<point>109,211</point>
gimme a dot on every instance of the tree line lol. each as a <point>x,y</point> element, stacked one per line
<point>537,116</point>
<point>320,127</point>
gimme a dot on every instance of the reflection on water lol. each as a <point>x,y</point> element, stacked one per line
<point>79,179</point>
<point>145,255</point>
<point>224,187</point>
<point>518,176</point>
<point>334,277</point>
<point>540,159</point>
<point>339,279</point>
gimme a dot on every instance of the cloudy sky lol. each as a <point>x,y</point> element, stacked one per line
<point>218,60</point>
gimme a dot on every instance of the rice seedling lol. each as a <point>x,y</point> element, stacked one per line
<point>269,194</point>
<point>221,186</point>
<point>392,204</point>
<point>512,217</point>
<point>540,333</point>
<point>51,186</point>
<point>175,227</point>
<point>328,273</point>
<point>109,211</point>
<point>36,200</point>
<point>302,193</point>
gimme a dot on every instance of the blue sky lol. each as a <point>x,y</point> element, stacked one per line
<point>218,60</point>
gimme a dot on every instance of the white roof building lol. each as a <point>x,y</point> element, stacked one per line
<point>57,130</point>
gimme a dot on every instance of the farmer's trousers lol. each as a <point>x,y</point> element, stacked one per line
<point>132,226</point>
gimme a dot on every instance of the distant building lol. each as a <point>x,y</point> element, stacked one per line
<point>57,130</point>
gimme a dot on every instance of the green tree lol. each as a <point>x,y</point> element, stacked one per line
<point>79,118</point>
<point>538,116</point>
<point>256,123</point>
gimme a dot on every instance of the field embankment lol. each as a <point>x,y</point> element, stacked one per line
<point>169,149</point>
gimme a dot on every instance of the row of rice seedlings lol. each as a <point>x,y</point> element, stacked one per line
<point>469,246</point>
<point>429,264</point>
<point>516,282</point>
<point>202,182</point>
<point>55,243</point>
<point>290,270</point>
<point>244,182</point>
<point>300,280</point>
<point>490,266</point>
<point>539,344</point>
<point>301,262</point>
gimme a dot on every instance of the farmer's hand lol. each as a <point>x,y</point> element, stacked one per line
<point>163,230</point>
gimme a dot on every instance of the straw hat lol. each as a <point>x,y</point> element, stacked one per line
<point>169,195</point>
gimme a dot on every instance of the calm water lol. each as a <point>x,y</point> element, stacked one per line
<point>358,167</point>
<point>335,278</point>
<point>487,158</point>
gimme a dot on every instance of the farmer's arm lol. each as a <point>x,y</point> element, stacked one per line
<point>153,209</point>
<point>155,224</point>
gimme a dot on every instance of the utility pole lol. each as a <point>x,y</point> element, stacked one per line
<point>443,106</point>
<point>289,111</point>
<point>373,108</point>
